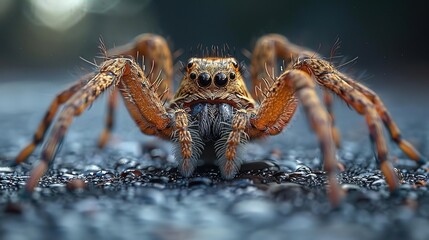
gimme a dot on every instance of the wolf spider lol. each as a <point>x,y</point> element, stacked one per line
<point>213,111</point>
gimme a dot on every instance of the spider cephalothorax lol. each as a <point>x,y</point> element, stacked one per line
<point>211,92</point>
<point>212,113</point>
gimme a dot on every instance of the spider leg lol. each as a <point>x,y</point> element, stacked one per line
<point>59,100</point>
<point>110,118</point>
<point>268,50</point>
<point>187,164</point>
<point>330,78</point>
<point>327,98</point>
<point>394,131</point>
<point>269,118</point>
<point>157,55</point>
<point>135,88</point>
<point>227,153</point>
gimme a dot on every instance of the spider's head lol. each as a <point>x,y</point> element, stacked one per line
<point>212,72</point>
<point>213,80</point>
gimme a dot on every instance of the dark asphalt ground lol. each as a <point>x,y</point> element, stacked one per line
<point>133,190</point>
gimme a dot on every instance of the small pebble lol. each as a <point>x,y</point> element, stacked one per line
<point>75,184</point>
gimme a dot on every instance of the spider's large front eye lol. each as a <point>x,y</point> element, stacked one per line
<point>204,79</point>
<point>220,79</point>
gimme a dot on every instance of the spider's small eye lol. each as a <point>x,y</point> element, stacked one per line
<point>235,64</point>
<point>190,64</point>
<point>220,79</point>
<point>204,79</point>
<point>232,75</point>
<point>193,76</point>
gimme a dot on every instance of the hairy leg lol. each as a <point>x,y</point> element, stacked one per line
<point>327,97</point>
<point>122,73</point>
<point>110,118</point>
<point>157,57</point>
<point>271,123</point>
<point>330,78</point>
<point>228,162</point>
<point>44,125</point>
<point>183,136</point>
<point>74,106</point>
<point>394,131</point>
<point>155,50</point>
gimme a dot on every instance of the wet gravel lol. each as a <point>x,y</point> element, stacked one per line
<point>132,189</point>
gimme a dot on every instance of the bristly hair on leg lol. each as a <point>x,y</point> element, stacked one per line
<point>103,49</point>
<point>90,63</point>
<point>220,149</point>
<point>197,148</point>
<point>334,49</point>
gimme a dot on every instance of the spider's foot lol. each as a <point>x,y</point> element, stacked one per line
<point>12,164</point>
<point>187,167</point>
<point>422,162</point>
<point>229,168</point>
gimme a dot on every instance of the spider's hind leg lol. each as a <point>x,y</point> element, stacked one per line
<point>110,118</point>
<point>384,114</point>
<point>44,125</point>
<point>277,109</point>
<point>327,98</point>
<point>328,77</point>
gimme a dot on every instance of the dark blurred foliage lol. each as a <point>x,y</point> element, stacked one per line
<point>380,33</point>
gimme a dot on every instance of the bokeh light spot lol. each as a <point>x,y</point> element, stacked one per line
<point>57,15</point>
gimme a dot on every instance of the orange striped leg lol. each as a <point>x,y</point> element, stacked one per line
<point>331,79</point>
<point>229,163</point>
<point>394,131</point>
<point>157,55</point>
<point>135,88</point>
<point>303,87</point>
<point>110,117</point>
<point>187,163</point>
<point>73,107</point>
<point>335,132</point>
<point>157,59</point>
<point>44,125</point>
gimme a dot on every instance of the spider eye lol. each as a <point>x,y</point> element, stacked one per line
<point>193,76</point>
<point>190,64</point>
<point>220,79</point>
<point>232,76</point>
<point>204,79</point>
<point>235,64</point>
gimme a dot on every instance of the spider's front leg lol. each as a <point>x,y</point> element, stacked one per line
<point>277,109</point>
<point>140,96</point>
<point>155,50</point>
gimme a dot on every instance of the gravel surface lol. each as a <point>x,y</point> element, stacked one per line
<point>132,189</point>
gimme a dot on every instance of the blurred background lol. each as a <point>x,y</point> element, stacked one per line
<point>49,34</point>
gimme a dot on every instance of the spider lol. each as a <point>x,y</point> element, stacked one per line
<point>212,113</point>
